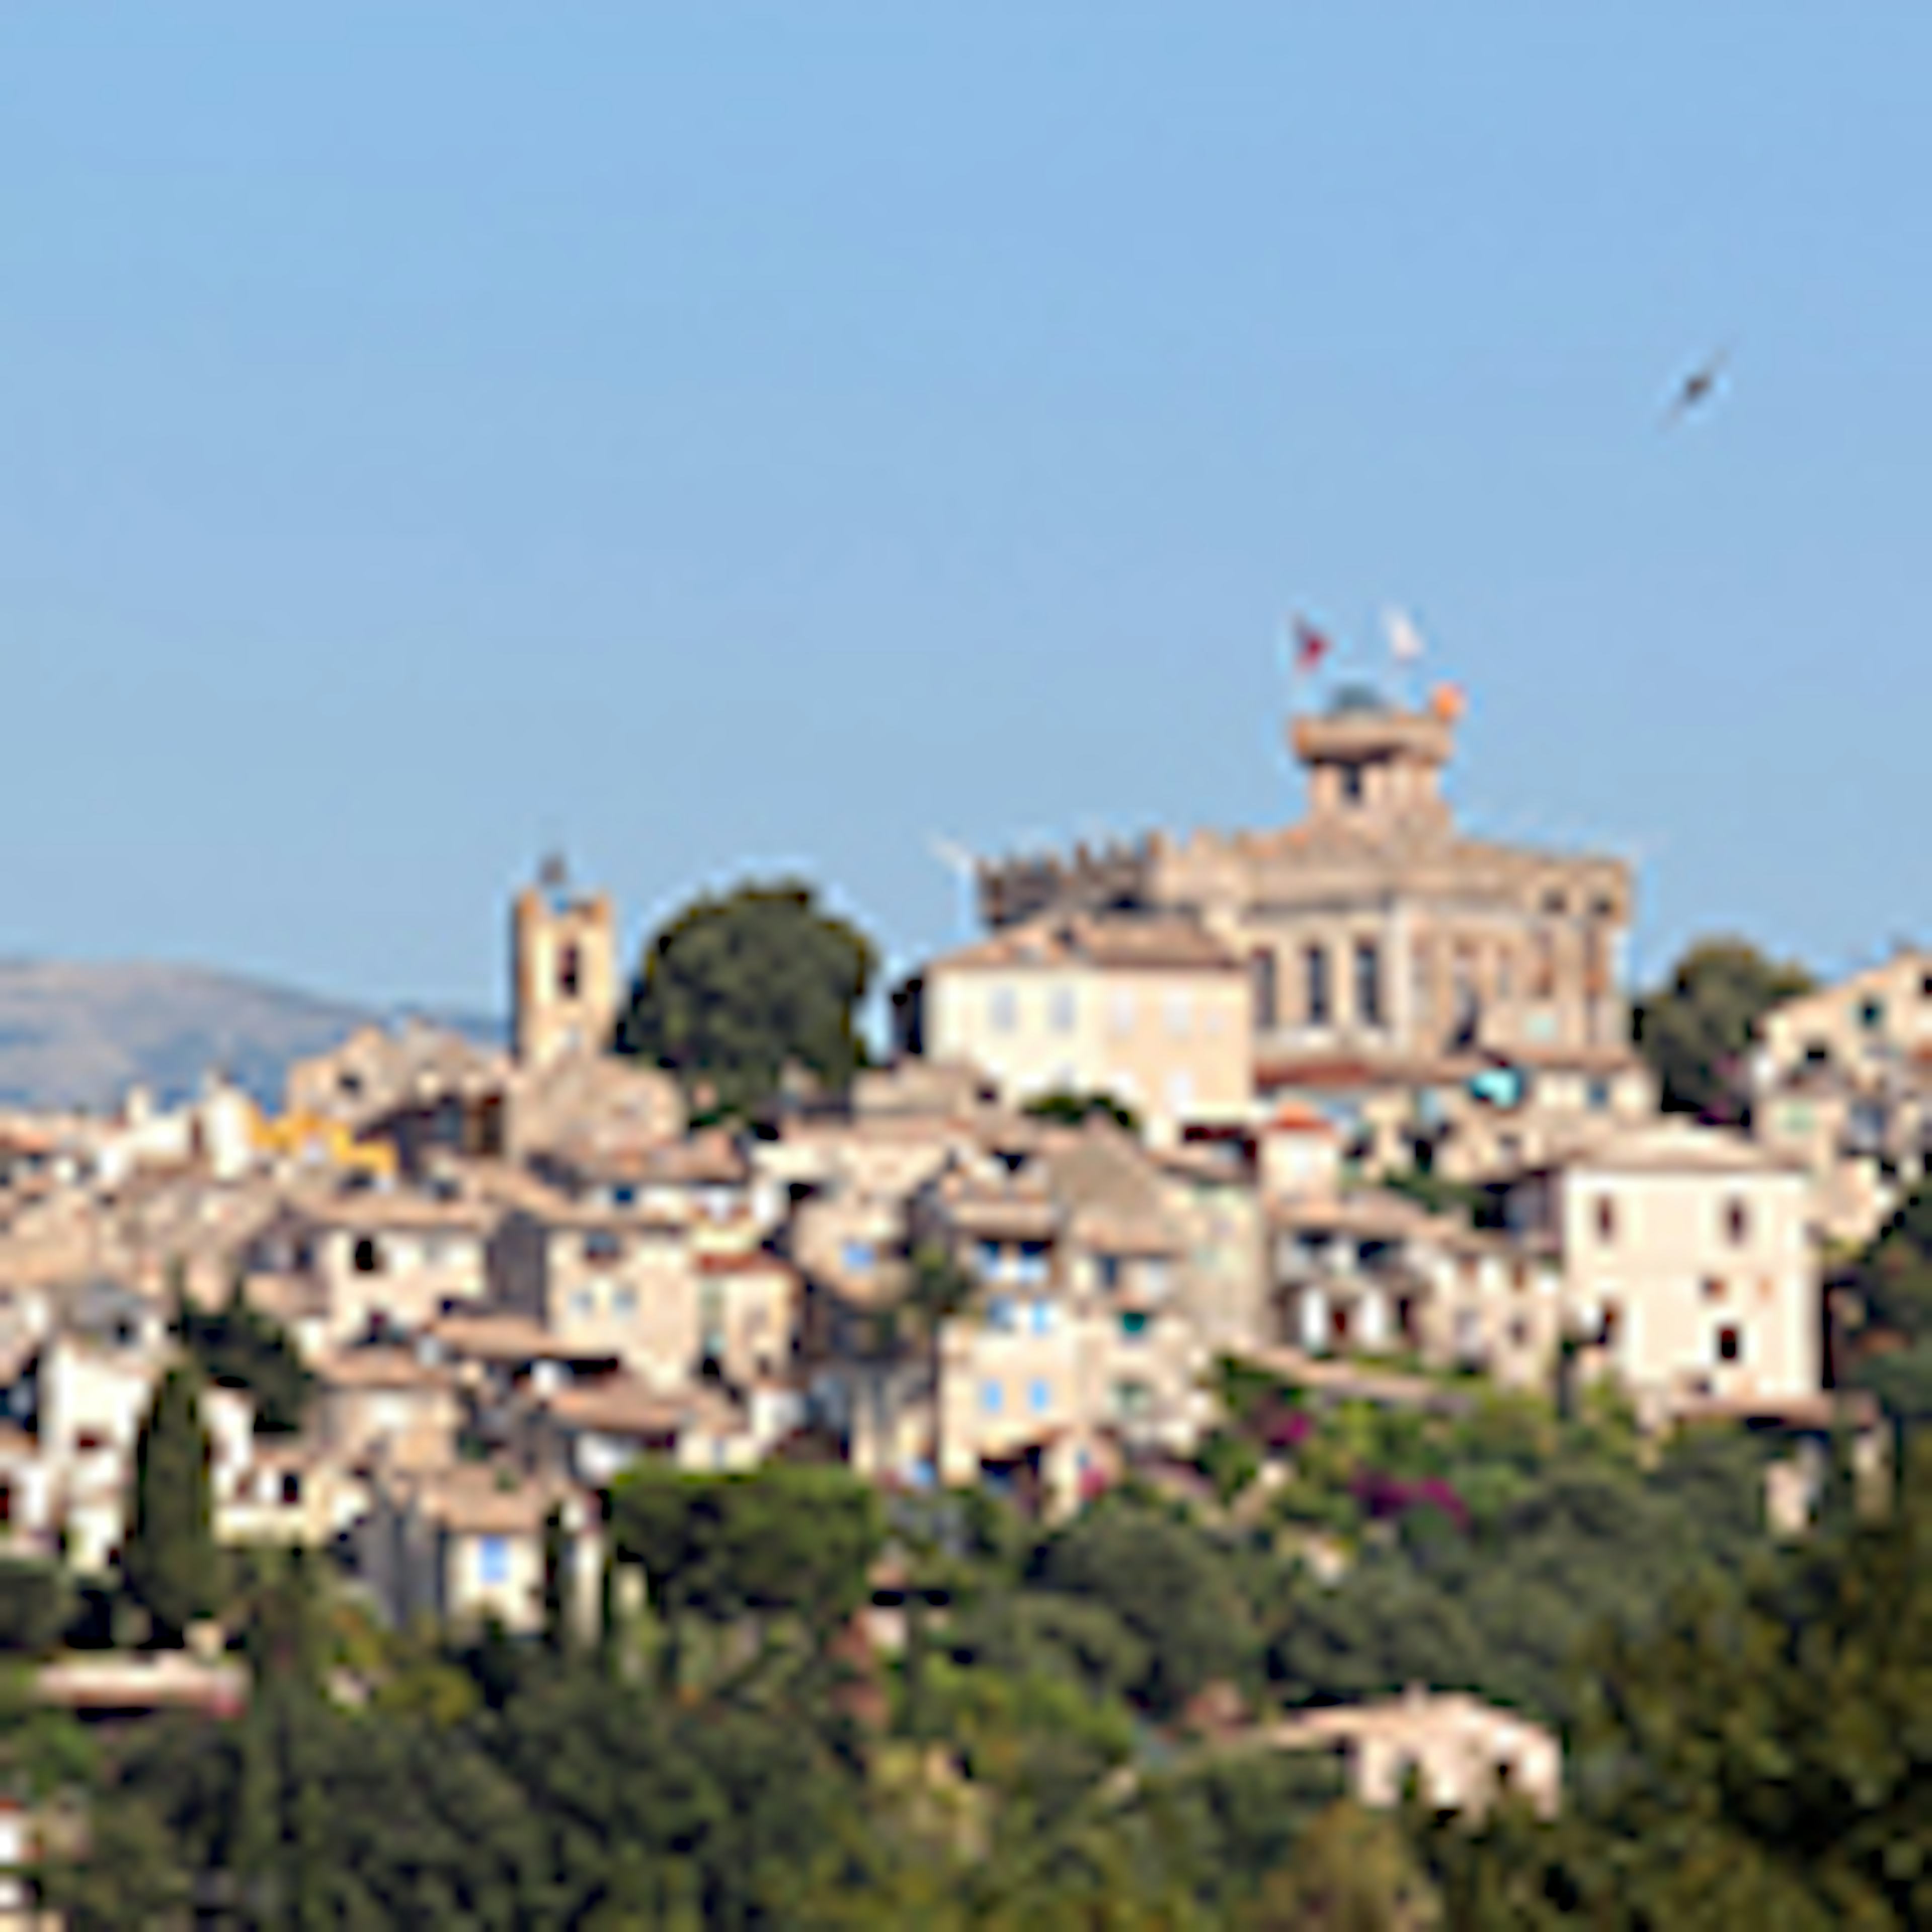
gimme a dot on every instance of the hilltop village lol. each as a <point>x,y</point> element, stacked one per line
<point>1374,1132</point>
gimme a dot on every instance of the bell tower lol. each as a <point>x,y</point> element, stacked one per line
<point>563,967</point>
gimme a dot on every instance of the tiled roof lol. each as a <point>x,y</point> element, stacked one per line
<point>1119,942</point>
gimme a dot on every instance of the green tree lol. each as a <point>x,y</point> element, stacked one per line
<point>1074,1109</point>
<point>1352,1871</point>
<point>37,1602</point>
<point>238,1347</point>
<point>171,1565</point>
<point>1697,1031</point>
<point>1167,1584</point>
<point>735,989</point>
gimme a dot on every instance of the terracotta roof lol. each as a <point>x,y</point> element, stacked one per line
<point>1124,941</point>
<point>1668,1146</point>
<point>379,1367</point>
<point>404,1207</point>
<point>624,1405</point>
<point>500,1336</point>
<point>712,1159</point>
<point>756,1260</point>
<point>482,1499</point>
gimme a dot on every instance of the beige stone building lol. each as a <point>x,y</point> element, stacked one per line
<point>1371,1273</point>
<point>373,1257</point>
<point>466,1546</point>
<point>1155,1011</point>
<point>1462,1754</point>
<point>1842,1082</point>
<point>1689,1263</point>
<point>1399,966</point>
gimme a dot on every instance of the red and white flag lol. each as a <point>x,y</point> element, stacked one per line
<point>1311,646</point>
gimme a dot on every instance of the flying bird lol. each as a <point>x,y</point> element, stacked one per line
<point>1699,387</point>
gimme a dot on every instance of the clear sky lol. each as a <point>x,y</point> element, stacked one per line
<point>711,438</point>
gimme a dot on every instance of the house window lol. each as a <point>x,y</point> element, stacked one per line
<point>1351,785</point>
<point>1063,1011</point>
<point>1133,1323</point>
<point>1030,1267</point>
<point>1714,1288</point>
<point>1871,1015</point>
<point>1261,970</point>
<point>858,1257</point>
<point>1000,1314</point>
<point>569,973</point>
<point>1596,1096</point>
<point>1038,1396</point>
<point>1518,1332</point>
<point>365,1258</point>
<point>1737,1222</point>
<point>625,1303</point>
<point>1107,1267</point>
<point>1131,1400</point>
<point>1612,1325</point>
<point>1002,1009</point>
<point>291,1487</point>
<point>992,1397</point>
<point>1180,1092</point>
<point>1043,1313</point>
<point>989,1253</point>
<point>1730,1343</point>
<point>582,1304</point>
<point>1180,1014</point>
<point>493,1561</point>
<point>600,1245</point>
<point>623,1196</point>
<point>1315,993</point>
<point>1817,1053</point>
<point>1123,1013</point>
<point>1368,983</point>
<point>1606,1220</point>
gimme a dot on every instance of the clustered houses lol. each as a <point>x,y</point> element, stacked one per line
<point>514,1274</point>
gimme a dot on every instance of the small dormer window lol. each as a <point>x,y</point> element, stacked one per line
<point>569,972</point>
<point>1352,785</point>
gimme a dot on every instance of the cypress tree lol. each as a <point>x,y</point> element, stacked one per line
<point>171,1565</point>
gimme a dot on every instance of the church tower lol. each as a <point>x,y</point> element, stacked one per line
<point>563,964</point>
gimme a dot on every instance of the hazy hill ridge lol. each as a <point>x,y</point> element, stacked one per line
<point>79,1033</point>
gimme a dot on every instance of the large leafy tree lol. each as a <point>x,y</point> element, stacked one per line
<point>734,989</point>
<point>1168,1585</point>
<point>1697,1030</point>
<point>171,1565</point>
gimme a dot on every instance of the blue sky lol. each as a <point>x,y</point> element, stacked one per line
<point>716,439</point>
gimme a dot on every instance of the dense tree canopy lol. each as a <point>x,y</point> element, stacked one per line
<point>736,988</point>
<point>1697,1031</point>
<point>1744,1724</point>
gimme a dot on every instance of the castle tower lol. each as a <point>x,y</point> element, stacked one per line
<point>1373,767</point>
<point>563,963</point>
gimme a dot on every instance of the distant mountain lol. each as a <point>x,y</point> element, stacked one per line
<point>79,1034</point>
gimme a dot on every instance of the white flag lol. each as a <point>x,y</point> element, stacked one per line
<point>1405,640</point>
